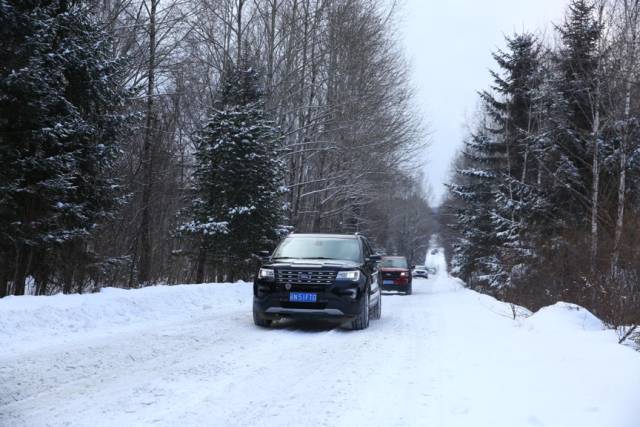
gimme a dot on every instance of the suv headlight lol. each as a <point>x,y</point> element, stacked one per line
<point>353,275</point>
<point>267,273</point>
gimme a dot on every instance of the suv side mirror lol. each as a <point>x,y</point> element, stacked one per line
<point>413,267</point>
<point>374,258</point>
<point>263,254</point>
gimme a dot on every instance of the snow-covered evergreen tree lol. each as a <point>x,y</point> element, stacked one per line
<point>577,82</point>
<point>570,147</point>
<point>542,156</point>
<point>237,206</point>
<point>492,183</point>
<point>511,105</point>
<point>60,95</point>
<point>474,257</point>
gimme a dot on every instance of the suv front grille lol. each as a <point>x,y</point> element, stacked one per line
<point>390,274</point>
<point>305,277</point>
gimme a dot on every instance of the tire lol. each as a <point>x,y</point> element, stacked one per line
<point>260,321</point>
<point>362,320</point>
<point>377,310</point>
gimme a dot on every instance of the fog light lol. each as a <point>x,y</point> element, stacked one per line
<point>351,293</point>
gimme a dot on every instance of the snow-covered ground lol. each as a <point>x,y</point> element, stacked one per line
<point>190,355</point>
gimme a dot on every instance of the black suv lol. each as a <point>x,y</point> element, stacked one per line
<point>330,276</point>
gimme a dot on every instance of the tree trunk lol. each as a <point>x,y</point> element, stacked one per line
<point>41,278</point>
<point>80,279</point>
<point>4,276</point>
<point>21,266</point>
<point>271,45</point>
<point>239,32</point>
<point>202,256</point>
<point>144,271</point>
<point>622,185</point>
<point>523,179</point>
<point>67,280</point>
<point>595,170</point>
<point>41,285</point>
<point>631,14</point>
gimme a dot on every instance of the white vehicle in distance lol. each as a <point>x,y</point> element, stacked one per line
<point>420,271</point>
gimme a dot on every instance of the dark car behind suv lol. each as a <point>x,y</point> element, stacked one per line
<point>328,276</point>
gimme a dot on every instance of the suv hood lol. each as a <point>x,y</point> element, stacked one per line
<point>312,263</point>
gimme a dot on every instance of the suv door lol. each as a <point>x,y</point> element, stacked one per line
<point>370,267</point>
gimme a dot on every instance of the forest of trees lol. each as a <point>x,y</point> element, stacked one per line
<point>544,204</point>
<point>149,141</point>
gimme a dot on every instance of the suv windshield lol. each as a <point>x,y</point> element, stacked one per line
<point>394,262</point>
<point>319,248</point>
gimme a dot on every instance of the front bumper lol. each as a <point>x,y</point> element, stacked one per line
<point>396,288</point>
<point>304,312</point>
<point>337,302</point>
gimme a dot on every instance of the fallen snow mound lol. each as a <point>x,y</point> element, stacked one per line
<point>43,319</point>
<point>565,316</point>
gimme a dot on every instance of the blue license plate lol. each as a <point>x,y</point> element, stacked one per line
<point>388,282</point>
<point>302,297</point>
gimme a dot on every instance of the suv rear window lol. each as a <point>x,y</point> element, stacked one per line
<point>394,263</point>
<point>319,248</point>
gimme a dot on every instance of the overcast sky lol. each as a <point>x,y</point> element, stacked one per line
<point>449,44</point>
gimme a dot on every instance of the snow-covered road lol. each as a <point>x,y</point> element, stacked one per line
<point>445,356</point>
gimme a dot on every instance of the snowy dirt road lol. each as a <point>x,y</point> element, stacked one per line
<point>444,356</point>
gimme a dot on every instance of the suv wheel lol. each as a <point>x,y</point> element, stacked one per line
<point>362,320</point>
<point>260,321</point>
<point>377,310</point>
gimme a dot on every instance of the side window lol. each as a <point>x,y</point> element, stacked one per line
<point>363,245</point>
<point>367,253</point>
<point>367,248</point>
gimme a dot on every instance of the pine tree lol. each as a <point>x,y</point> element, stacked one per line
<point>511,105</point>
<point>60,92</point>
<point>237,206</point>
<point>577,81</point>
<point>474,258</point>
<point>575,126</point>
<point>578,62</point>
<point>496,192</point>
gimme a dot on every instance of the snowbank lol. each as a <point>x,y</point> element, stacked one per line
<point>45,319</point>
<point>565,316</point>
